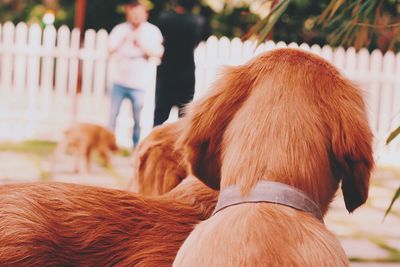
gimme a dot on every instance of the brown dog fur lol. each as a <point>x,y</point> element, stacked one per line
<point>84,139</point>
<point>157,163</point>
<point>286,116</point>
<point>60,224</point>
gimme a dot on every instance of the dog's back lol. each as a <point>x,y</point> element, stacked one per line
<point>58,224</point>
<point>90,135</point>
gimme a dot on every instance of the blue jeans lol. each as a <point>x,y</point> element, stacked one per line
<point>136,97</point>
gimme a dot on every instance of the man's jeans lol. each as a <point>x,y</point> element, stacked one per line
<point>136,97</point>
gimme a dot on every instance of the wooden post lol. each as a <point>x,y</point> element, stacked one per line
<point>80,11</point>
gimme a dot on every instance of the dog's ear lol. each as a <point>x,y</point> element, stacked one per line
<point>113,145</point>
<point>352,147</point>
<point>139,163</point>
<point>174,174</point>
<point>206,121</point>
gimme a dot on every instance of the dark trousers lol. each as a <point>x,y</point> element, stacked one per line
<point>172,92</point>
<point>163,108</point>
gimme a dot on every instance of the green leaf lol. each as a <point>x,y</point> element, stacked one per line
<point>395,197</point>
<point>263,27</point>
<point>393,135</point>
<point>273,18</point>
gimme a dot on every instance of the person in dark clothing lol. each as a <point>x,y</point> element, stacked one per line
<point>182,31</point>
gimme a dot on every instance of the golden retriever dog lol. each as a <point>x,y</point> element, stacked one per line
<point>56,224</point>
<point>157,163</point>
<point>84,139</point>
<point>286,117</point>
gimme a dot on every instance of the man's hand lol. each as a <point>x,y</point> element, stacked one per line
<point>138,44</point>
<point>129,37</point>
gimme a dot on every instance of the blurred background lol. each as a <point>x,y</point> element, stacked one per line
<point>300,21</point>
<point>55,71</point>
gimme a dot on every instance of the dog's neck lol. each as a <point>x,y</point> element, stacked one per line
<point>269,192</point>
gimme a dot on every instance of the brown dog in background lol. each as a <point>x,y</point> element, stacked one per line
<point>84,139</point>
<point>286,116</point>
<point>157,163</point>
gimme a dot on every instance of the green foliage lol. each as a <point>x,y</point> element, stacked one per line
<point>395,197</point>
<point>32,11</point>
<point>360,23</point>
<point>262,29</point>
<point>298,23</point>
<point>393,135</point>
<point>15,11</point>
<point>363,23</point>
<point>232,22</point>
<point>105,14</point>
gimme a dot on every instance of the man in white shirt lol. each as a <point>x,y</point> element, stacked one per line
<point>133,43</point>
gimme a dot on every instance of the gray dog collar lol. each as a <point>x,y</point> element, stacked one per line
<point>269,192</point>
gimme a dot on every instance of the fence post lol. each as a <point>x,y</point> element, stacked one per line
<point>248,50</point>
<point>47,71</point>
<point>350,62</point>
<point>21,34</point>
<point>100,97</point>
<point>396,102</point>
<point>73,71</point>
<point>87,56</point>
<point>20,99</point>
<point>236,51</point>
<point>33,72</point>
<point>375,88</point>
<point>327,53</point>
<point>200,70</point>
<point>363,61</point>
<point>7,59</point>
<point>386,111</point>
<point>62,53</point>
<point>224,46</point>
<point>316,49</point>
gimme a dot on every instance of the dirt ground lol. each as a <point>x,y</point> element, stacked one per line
<point>368,238</point>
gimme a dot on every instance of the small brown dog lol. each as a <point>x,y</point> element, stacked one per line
<point>58,224</point>
<point>84,139</point>
<point>286,117</point>
<point>157,163</point>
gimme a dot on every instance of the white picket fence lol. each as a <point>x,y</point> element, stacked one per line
<point>376,73</point>
<point>39,80</point>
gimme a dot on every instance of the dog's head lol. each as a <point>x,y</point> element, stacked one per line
<point>112,142</point>
<point>286,116</point>
<point>157,164</point>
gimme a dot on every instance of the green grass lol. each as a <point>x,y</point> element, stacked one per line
<point>124,152</point>
<point>36,151</point>
<point>42,148</point>
<point>35,147</point>
<point>378,260</point>
<point>394,253</point>
<point>40,152</point>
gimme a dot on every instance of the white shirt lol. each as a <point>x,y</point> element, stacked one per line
<point>132,68</point>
